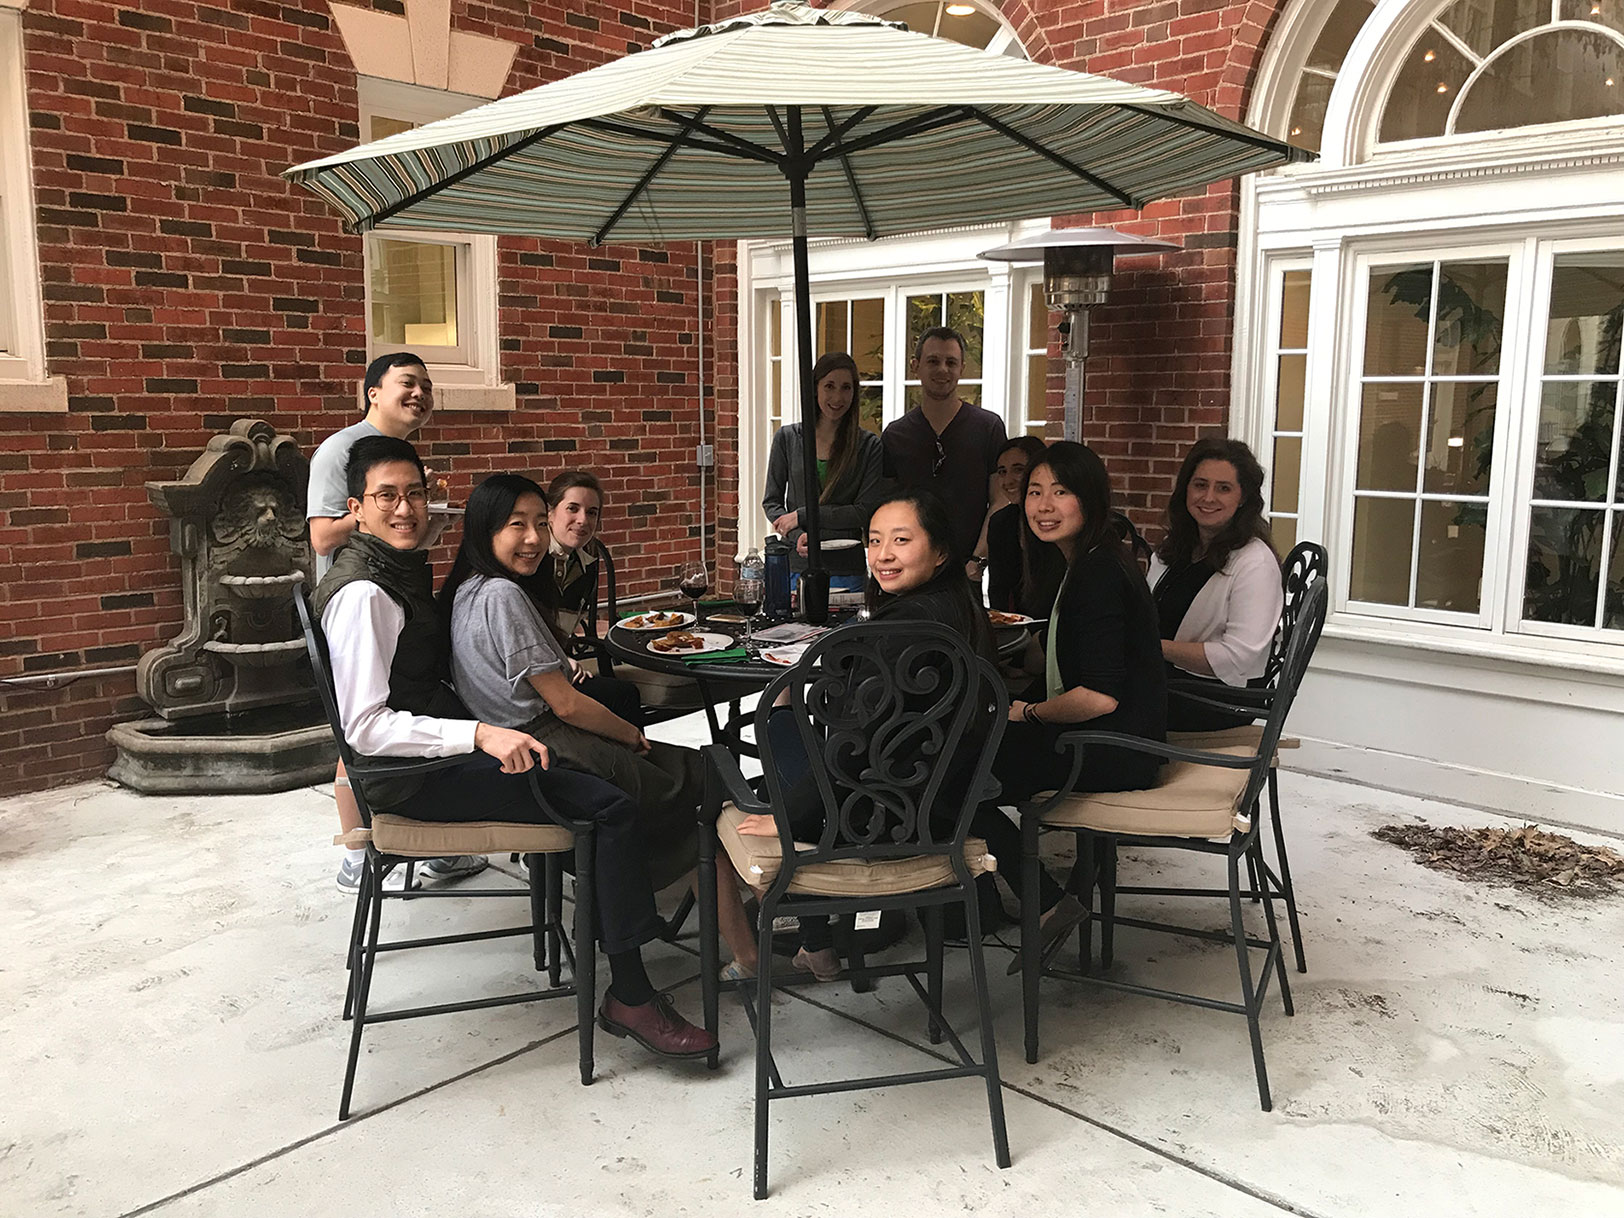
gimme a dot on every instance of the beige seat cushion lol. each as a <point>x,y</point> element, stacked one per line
<point>1188,800</point>
<point>759,859</point>
<point>425,839</point>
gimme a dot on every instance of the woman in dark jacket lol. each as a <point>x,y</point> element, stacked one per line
<point>1103,659</point>
<point>849,478</point>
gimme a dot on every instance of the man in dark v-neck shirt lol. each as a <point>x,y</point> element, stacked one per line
<point>948,445</point>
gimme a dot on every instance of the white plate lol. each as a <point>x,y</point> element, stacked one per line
<point>786,657</point>
<point>676,621</point>
<point>838,543</point>
<point>1020,619</point>
<point>711,642</point>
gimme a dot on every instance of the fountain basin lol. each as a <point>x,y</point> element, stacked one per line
<point>257,655</point>
<point>262,587</point>
<point>275,748</point>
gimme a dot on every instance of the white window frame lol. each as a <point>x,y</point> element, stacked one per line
<point>467,376</point>
<point>1268,372</point>
<point>1543,260</point>
<point>1510,399</point>
<point>25,385</point>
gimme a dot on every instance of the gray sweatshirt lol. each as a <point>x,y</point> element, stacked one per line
<point>844,514</point>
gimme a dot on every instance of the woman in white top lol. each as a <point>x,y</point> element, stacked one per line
<point>1216,578</point>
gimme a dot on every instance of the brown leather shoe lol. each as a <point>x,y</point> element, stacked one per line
<point>656,1026</point>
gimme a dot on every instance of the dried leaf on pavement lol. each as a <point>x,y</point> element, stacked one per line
<point>1526,857</point>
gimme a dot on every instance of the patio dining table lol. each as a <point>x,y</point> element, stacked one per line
<point>749,675</point>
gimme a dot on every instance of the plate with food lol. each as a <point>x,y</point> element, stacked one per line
<point>663,620</point>
<point>689,643</point>
<point>785,657</point>
<point>999,618</point>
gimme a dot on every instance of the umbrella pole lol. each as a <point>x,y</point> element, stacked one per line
<point>815,579</point>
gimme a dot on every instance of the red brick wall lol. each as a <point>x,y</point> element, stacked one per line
<point>186,285</point>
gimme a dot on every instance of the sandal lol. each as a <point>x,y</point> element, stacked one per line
<point>733,972</point>
<point>824,964</point>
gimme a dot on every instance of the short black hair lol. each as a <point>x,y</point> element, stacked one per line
<point>381,365</point>
<point>940,332</point>
<point>369,451</point>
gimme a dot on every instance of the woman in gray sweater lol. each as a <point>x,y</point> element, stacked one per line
<point>849,475</point>
<point>508,666</point>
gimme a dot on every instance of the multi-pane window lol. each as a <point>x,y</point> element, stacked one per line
<point>964,311</point>
<point>1289,359</point>
<point>857,327</point>
<point>1428,393</point>
<point>775,363</point>
<point>1034,399</point>
<point>1575,565</point>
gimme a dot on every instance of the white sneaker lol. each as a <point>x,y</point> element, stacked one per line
<point>349,878</point>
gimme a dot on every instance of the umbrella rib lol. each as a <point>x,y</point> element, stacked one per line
<point>435,188</point>
<point>659,137</point>
<point>1049,154</point>
<point>836,134</point>
<point>643,183</point>
<point>745,148</point>
<point>778,126</point>
<point>845,163</point>
<point>918,125</point>
<point>1240,137</point>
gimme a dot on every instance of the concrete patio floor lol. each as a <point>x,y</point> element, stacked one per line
<point>170,991</point>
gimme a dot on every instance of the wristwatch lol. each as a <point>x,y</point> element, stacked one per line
<point>980,560</point>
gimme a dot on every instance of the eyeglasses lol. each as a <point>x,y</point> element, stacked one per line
<point>941,456</point>
<point>389,498</point>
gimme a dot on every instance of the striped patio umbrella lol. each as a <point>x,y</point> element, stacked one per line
<point>797,122</point>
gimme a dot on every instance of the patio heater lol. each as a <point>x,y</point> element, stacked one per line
<point>1077,266</point>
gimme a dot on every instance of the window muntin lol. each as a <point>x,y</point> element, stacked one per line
<point>1428,394</point>
<point>1574,574</point>
<point>1306,126</point>
<point>1034,371</point>
<point>1488,65</point>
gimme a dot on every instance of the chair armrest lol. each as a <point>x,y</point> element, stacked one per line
<point>546,805</point>
<point>730,784</point>
<point>1239,698</point>
<point>403,767</point>
<point>1159,748</point>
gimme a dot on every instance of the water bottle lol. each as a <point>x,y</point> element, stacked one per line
<point>776,603</point>
<point>751,567</point>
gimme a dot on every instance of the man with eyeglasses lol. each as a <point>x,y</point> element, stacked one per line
<point>377,607</point>
<point>400,399</point>
<point>948,445</point>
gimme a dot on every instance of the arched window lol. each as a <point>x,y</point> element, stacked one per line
<point>1495,65</point>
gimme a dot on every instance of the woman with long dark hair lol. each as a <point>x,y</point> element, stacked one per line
<point>849,480</point>
<point>1103,660</point>
<point>999,553</point>
<point>508,667</point>
<point>1216,577</point>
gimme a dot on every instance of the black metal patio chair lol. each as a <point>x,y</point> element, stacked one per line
<point>1204,802</point>
<point>892,716</point>
<point>395,841</point>
<point>1306,565</point>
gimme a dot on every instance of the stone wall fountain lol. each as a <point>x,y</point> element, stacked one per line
<point>237,708</point>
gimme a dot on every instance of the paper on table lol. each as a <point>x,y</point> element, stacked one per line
<point>789,632</point>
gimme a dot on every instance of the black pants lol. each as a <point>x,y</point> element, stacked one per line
<point>478,790</point>
<point>619,696</point>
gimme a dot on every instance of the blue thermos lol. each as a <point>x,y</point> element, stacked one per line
<point>775,602</point>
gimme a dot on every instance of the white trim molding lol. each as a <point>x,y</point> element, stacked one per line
<point>25,384</point>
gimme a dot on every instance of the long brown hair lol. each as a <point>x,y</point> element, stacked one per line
<point>1179,545</point>
<point>843,456</point>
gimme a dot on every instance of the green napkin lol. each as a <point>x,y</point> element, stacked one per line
<point>718,657</point>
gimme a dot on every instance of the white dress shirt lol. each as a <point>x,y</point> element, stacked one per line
<point>363,624</point>
<point>1235,614</point>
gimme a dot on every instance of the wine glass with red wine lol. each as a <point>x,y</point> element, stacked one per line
<point>694,581</point>
<point>747,593</point>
